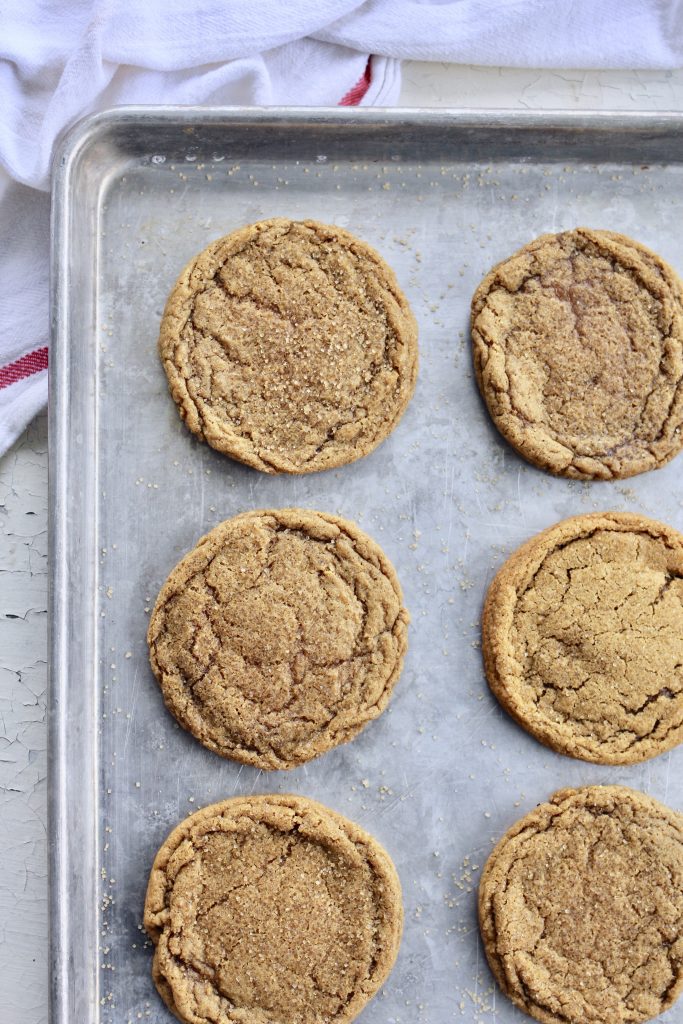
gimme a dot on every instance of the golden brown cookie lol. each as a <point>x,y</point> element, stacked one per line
<point>289,345</point>
<point>279,636</point>
<point>578,350</point>
<point>269,909</point>
<point>581,908</point>
<point>582,636</point>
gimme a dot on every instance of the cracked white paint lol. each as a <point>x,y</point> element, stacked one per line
<point>23,562</point>
<point>23,762</point>
<point>440,85</point>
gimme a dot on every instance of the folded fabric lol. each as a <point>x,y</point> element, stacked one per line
<point>518,33</point>
<point>61,61</point>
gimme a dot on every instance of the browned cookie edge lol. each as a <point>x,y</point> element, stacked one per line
<point>498,611</point>
<point>202,268</point>
<point>541,816</point>
<point>547,453</point>
<point>375,854</point>
<point>193,561</point>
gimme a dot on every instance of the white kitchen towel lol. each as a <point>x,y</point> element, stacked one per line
<point>62,60</point>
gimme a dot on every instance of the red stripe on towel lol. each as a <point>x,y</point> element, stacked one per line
<point>24,367</point>
<point>355,95</point>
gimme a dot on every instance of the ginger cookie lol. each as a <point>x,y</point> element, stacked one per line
<point>581,908</point>
<point>279,636</point>
<point>578,350</point>
<point>289,346</point>
<point>271,908</point>
<point>582,637</point>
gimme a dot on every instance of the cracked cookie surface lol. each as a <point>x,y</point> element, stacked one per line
<point>582,637</point>
<point>279,636</point>
<point>578,351</point>
<point>271,910</point>
<point>289,346</point>
<point>581,908</point>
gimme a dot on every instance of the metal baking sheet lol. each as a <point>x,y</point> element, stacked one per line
<point>442,195</point>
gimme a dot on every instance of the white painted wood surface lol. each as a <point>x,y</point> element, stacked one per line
<point>23,546</point>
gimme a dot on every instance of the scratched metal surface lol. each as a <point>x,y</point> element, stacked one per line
<point>443,772</point>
